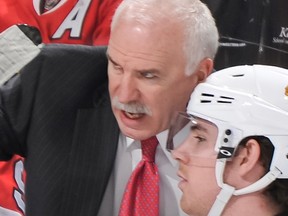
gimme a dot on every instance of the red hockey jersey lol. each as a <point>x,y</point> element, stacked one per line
<point>69,21</point>
<point>12,178</point>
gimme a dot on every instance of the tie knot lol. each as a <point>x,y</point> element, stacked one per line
<point>149,148</point>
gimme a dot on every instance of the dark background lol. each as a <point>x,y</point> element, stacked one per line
<point>251,32</point>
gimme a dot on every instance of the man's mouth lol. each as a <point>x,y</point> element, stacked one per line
<point>181,176</point>
<point>134,115</point>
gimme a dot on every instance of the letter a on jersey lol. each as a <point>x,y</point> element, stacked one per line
<point>74,20</point>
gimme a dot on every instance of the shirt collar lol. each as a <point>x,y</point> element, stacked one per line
<point>162,139</point>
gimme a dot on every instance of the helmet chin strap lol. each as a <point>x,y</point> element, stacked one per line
<point>227,191</point>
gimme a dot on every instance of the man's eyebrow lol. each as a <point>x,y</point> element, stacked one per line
<point>199,127</point>
<point>110,59</point>
<point>152,70</point>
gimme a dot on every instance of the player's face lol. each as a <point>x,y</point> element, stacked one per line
<point>197,160</point>
<point>147,82</point>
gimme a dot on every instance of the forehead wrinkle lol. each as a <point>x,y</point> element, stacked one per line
<point>160,55</point>
<point>123,51</point>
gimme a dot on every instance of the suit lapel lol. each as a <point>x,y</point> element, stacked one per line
<point>91,161</point>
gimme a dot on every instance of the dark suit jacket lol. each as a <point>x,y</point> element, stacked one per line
<point>57,115</point>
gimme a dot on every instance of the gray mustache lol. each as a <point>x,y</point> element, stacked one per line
<point>132,107</point>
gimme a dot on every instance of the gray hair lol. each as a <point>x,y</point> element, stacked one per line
<point>199,29</point>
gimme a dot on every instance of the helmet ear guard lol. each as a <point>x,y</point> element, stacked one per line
<point>228,141</point>
<point>280,158</point>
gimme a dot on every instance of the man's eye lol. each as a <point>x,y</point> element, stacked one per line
<point>148,75</point>
<point>199,138</point>
<point>116,67</point>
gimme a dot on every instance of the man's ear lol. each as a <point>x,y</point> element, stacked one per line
<point>204,69</point>
<point>249,160</point>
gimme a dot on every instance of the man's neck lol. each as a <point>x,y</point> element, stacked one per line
<point>251,205</point>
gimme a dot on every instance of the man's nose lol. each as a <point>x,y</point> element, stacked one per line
<point>128,89</point>
<point>180,156</point>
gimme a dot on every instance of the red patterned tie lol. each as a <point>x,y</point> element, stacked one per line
<point>141,197</point>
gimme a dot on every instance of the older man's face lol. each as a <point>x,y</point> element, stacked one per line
<point>147,83</point>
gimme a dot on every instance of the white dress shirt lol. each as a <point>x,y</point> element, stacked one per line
<point>128,156</point>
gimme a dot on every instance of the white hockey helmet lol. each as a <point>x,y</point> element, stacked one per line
<point>244,101</point>
<point>251,99</point>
